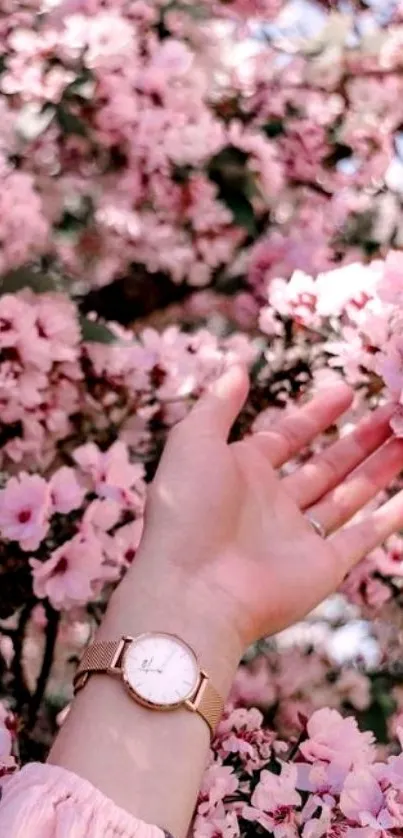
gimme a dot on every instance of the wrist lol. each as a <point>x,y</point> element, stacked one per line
<point>151,600</point>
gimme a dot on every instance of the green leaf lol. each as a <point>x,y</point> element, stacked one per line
<point>70,123</point>
<point>16,280</point>
<point>181,174</point>
<point>229,164</point>
<point>340,151</point>
<point>273,128</point>
<point>251,188</point>
<point>243,212</point>
<point>194,10</point>
<point>94,332</point>
<point>228,170</point>
<point>80,87</point>
<point>376,716</point>
<point>77,216</point>
<point>258,366</point>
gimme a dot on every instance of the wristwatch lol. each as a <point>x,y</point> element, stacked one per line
<point>159,670</point>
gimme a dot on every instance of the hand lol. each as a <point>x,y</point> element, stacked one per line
<point>227,556</point>
<point>225,526</point>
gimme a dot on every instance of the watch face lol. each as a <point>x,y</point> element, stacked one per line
<point>160,669</point>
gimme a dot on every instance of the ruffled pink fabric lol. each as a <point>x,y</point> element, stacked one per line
<point>45,801</point>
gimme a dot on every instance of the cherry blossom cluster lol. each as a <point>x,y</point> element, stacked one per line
<point>93,510</point>
<point>356,312</point>
<point>107,112</point>
<point>330,784</point>
<point>56,389</point>
<point>79,421</point>
<point>146,134</point>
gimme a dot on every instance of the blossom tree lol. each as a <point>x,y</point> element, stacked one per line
<point>192,142</point>
<point>214,150</point>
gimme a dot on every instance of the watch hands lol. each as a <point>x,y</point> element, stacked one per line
<point>170,656</point>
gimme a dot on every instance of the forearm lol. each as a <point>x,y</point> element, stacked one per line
<point>150,763</point>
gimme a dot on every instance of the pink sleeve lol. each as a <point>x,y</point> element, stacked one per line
<point>45,801</point>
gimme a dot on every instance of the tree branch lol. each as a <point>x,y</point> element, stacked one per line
<point>8,632</point>
<point>51,637</point>
<point>22,693</point>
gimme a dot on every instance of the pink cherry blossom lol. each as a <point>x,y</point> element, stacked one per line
<point>241,732</point>
<point>101,37</point>
<point>123,547</point>
<point>172,57</point>
<point>390,365</point>
<point>364,803</point>
<point>15,319</point>
<point>221,824</point>
<point>390,285</point>
<point>296,299</point>
<point>275,796</point>
<point>24,510</point>
<point>23,229</point>
<point>68,577</point>
<point>218,782</point>
<point>66,491</point>
<point>101,516</point>
<point>56,323</point>
<point>111,473</point>
<point>334,739</point>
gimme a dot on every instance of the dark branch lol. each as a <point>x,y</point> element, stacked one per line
<point>8,632</point>
<point>21,691</point>
<point>51,637</point>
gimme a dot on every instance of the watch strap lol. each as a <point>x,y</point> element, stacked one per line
<point>207,702</point>
<point>99,657</point>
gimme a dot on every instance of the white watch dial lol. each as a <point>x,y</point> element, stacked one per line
<point>161,669</point>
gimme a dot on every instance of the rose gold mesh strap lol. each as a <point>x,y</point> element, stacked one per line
<point>208,703</point>
<point>99,657</point>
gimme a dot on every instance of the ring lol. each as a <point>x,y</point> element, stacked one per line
<point>317,526</point>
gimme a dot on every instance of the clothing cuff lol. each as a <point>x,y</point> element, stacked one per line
<point>48,800</point>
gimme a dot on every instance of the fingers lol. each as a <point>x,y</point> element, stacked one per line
<point>294,432</point>
<point>355,541</point>
<point>324,471</point>
<point>343,502</point>
<point>219,406</point>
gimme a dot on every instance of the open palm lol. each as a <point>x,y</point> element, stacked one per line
<point>233,527</point>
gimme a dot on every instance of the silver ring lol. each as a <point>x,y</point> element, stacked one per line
<point>316,525</point>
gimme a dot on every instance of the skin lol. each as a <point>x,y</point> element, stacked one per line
<point>227,556</point>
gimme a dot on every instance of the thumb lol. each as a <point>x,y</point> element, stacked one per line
<point>219,406</point>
